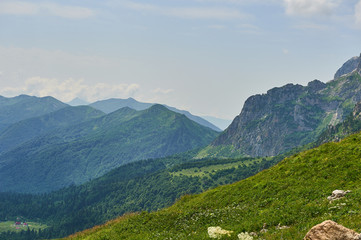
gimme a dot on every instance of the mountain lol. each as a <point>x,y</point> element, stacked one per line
<point>113,104</point>
<point>348,66</point>
<point>352,124</point>
<point>24,130</point>
<point>219,122</point>
<point>78,102</point>
<point>75,154</point>
<point>22,107</point>
<point>283,202</point>
<point>290,116</point>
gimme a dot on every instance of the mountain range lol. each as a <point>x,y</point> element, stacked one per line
<point>113,104</point>
<point>79,152</point>
<point>282,202</point>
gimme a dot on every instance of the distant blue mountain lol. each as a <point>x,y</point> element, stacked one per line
<point>219,122</point>
<point>78,102</point>
<point>18,108</point>
<point>113,104</point>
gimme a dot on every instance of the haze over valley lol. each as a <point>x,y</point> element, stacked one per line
<point>184,119</point>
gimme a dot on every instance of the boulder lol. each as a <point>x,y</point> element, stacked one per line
<point>330,230</point>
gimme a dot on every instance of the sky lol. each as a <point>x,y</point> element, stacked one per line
<point>204,56</point>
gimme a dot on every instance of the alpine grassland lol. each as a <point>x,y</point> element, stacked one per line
<point>282,202</point>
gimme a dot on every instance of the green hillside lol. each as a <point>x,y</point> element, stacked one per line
<point>293,193</point>
<point>27,129</point>
<point>146,185</point>
<point>22,107</point>
<point>76,154</point>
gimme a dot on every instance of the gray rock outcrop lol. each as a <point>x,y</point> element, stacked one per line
<point>291,116</point>
<point>348,67</point>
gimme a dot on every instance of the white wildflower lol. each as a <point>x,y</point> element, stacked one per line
<point>245,236</point>
<point>218,232</point>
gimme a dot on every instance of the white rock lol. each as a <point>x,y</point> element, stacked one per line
<point>337,194</point>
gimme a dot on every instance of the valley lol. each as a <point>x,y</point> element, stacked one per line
<point>154,173</point>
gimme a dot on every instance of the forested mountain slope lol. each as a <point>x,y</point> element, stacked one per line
<point>22,107</point>
<point>24,130</point>
<point>78,153</point>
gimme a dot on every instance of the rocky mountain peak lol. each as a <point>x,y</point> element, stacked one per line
<point>292,115</point>
<point>349,66</point>
<point>316,85</point>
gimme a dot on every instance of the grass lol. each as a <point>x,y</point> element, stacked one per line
<point>207,170</point>
<point>10,226</point>
<point>223,151</point>
<point>292,193</point>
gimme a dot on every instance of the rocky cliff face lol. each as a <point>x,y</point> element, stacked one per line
<point>292,115</point>
<point>348,66</point>
<point>352,124</point>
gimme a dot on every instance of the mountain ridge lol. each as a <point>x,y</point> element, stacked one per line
<point>21,107</point>
<point>113,104</point>
<point>81,152</point>
<point>24,130</point>
<point>290,116</point>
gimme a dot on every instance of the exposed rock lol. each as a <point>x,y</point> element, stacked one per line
<point>264,229</point>
<point>352,124</point>
<point>330,230</point>
<point>279,227</point>
<point>348,67</point>
<point>218,232</point>
<point>244,236</point>
<point>337,194</point>
<point>292,115</point>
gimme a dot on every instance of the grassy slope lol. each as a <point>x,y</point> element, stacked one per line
<point>291,193</point>
<point>10,226</point>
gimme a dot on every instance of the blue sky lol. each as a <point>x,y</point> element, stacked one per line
<point>205,56</point>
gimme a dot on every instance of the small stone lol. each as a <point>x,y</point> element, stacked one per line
<point>337,194</point>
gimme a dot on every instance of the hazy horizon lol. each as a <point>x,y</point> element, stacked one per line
<point>204,56</point>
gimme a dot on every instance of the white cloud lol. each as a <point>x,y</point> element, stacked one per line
<point>358,13</point>
<point>162,91</point>
<point>43,8</point>
<point>18,8</point>
<point>68,89</point>
<point>311,7</point>
<point>188,12</point>
<point>285,51</point>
